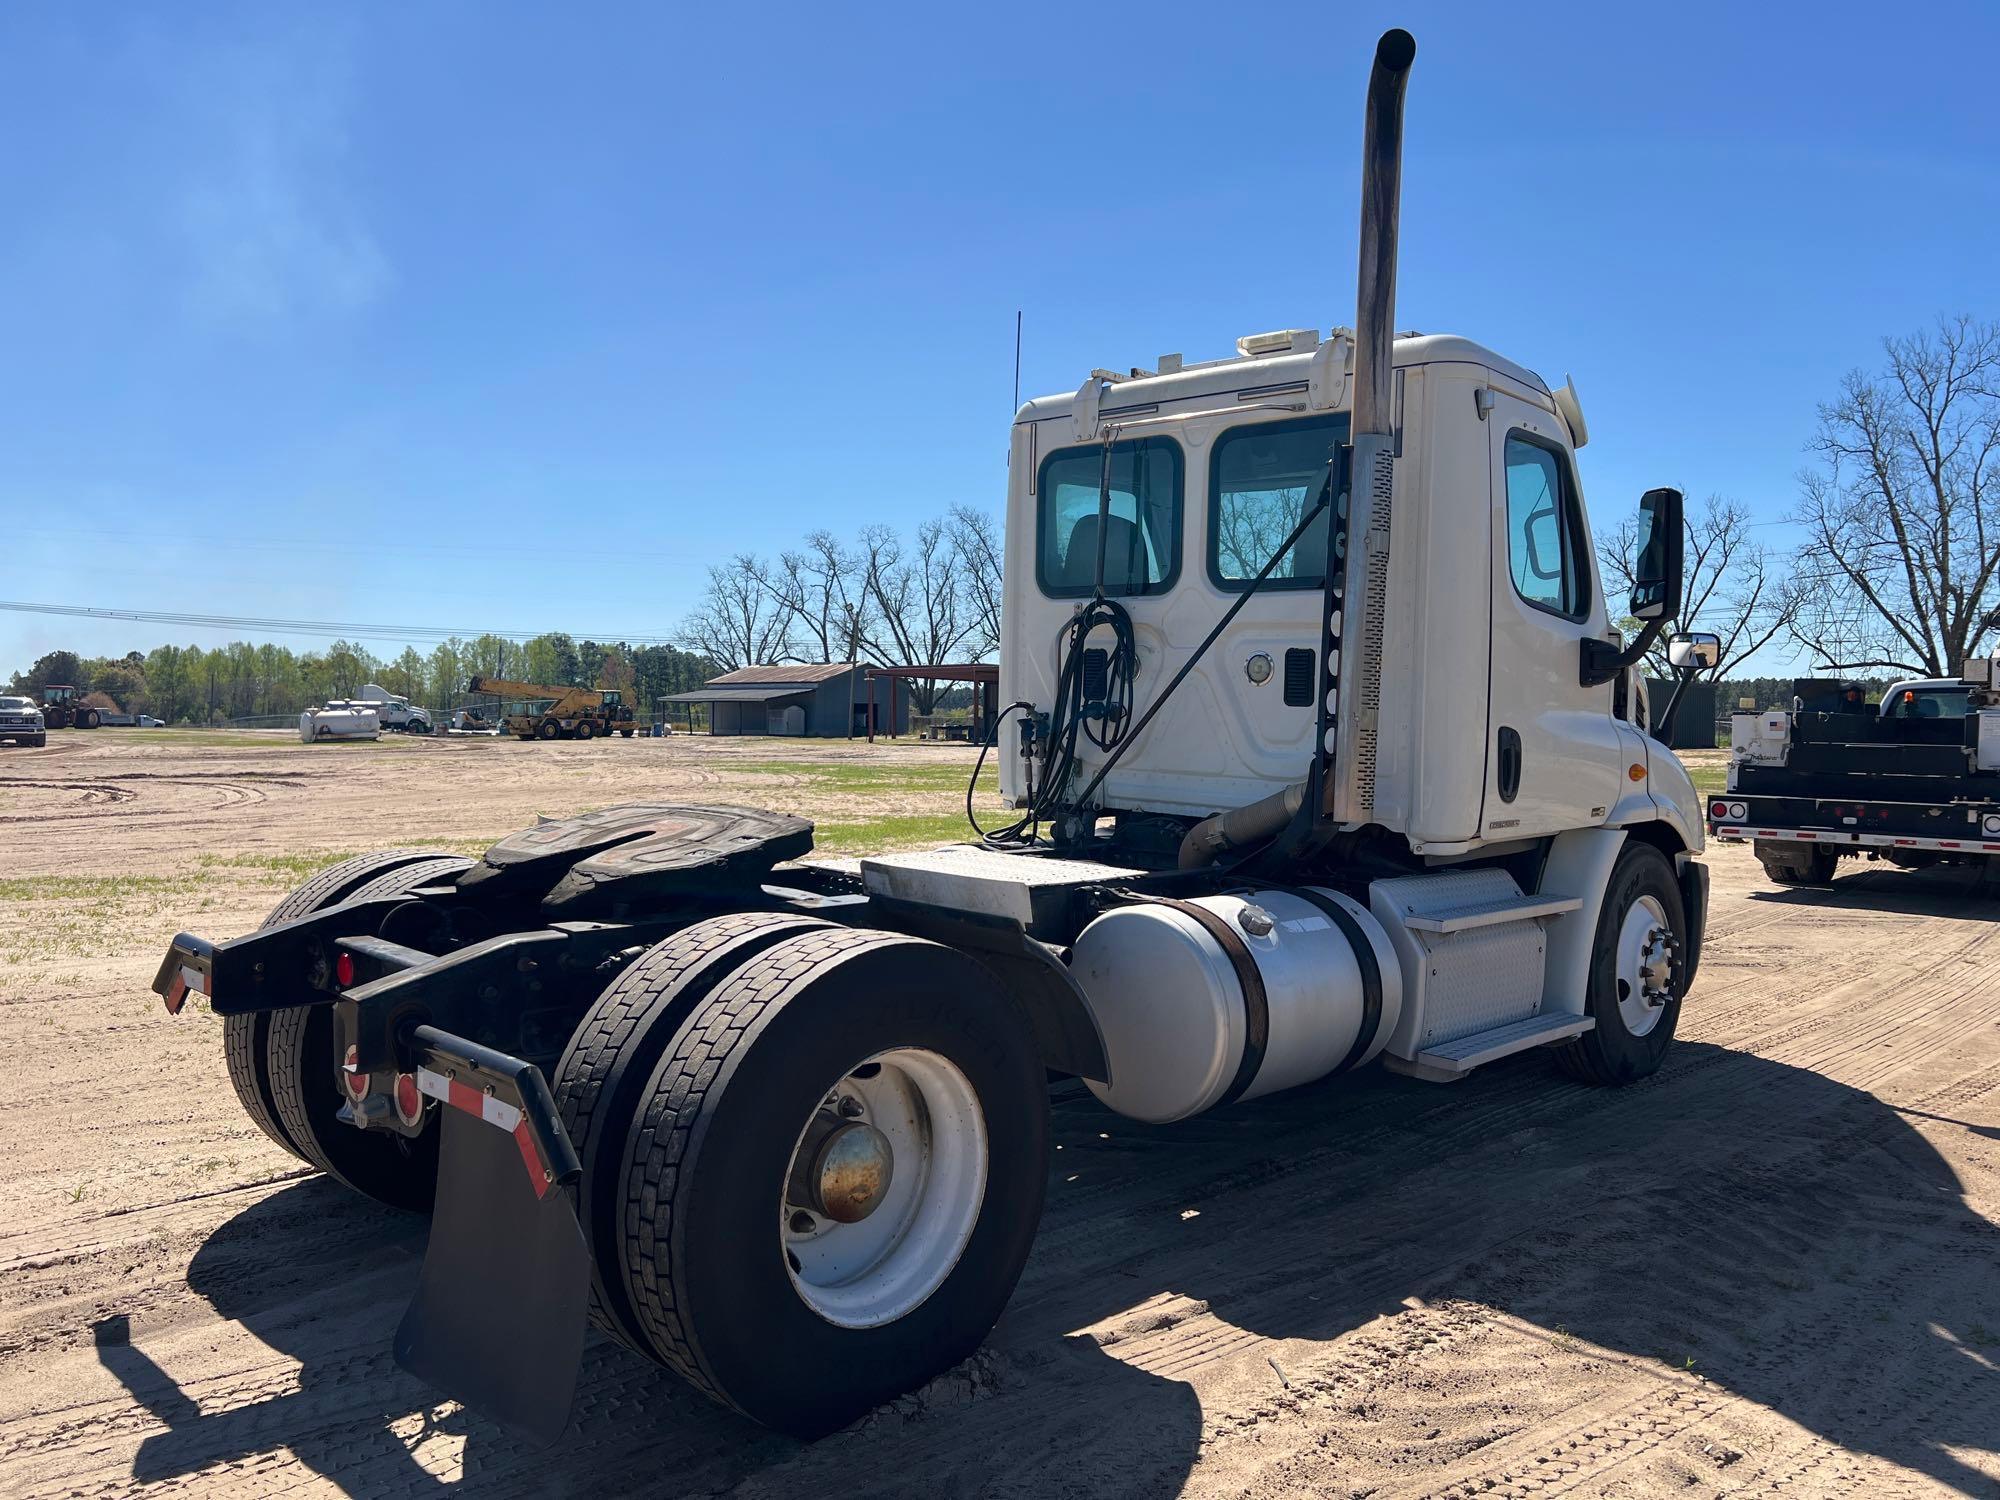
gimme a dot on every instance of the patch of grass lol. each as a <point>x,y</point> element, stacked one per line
<point>92,890</point>
<point>898,831</point>
<point>251,739</point>
<point>289,865</point>
<point>1708,770</point>
<point>869,777</point>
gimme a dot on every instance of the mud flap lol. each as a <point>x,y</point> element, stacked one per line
<point>499,1316</point>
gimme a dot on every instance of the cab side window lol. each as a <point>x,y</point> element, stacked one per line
<point>1544,530</point>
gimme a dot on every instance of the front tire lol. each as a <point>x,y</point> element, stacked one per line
<point>548,729</point>
<point>1637,973</point>
<point>830,1044</point>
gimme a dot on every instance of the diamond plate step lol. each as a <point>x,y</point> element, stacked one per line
<point>1486,913</point>
<point>1468,1052</point>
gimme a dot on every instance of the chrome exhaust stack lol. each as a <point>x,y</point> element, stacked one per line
<point>1351,704</point>
<point>1342,780</point>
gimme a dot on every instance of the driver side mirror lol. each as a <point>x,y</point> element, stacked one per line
<point>1656,572</point>
<point>1694,650</point>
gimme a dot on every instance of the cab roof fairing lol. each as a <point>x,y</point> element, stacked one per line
<point>1239,373</point>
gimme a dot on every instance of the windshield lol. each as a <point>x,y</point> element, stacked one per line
<point>15,703</point>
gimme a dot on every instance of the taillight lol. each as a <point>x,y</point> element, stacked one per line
<point>343,970</point>
<point>1718,809</point>
<point>409,1100</point>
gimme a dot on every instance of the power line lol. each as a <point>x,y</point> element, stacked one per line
<point>331,628</point>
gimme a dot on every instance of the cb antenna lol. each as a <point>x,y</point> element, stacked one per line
<point>1017,362</point>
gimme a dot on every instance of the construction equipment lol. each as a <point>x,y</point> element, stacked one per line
<point>568,713</point>
<point>1306,772</point>
<point>1913,780</point>
<point>63,707</point>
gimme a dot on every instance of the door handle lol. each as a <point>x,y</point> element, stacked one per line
<point>1509,762</point>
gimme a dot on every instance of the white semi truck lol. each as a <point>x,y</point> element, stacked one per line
<point>1320,748</point>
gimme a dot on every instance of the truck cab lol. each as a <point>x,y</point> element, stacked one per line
<point>1488,733</point>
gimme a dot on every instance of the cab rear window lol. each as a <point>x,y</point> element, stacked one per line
<point>1140,535</point>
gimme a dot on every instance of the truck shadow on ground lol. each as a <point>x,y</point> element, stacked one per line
<point>1789,1239</point>
<point>1941,891</point>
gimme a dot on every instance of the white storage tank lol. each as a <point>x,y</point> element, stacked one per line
<point>339,721</point>
<point>1183,1030</point>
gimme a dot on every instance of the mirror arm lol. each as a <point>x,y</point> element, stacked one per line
<point>1600,661</point>
<point>1663,725</point>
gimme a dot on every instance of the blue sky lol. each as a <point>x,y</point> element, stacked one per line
<point>429,312</point>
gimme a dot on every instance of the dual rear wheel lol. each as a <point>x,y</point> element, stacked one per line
<point>280,1061</point>
<point>814,1161</point>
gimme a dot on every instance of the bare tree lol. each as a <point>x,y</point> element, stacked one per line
<point>978,552</point>
<point>823,592</point>
<point>1730,583</point>
<point>920,614</point>
<point>1901,561</point>
<point>741,621</point>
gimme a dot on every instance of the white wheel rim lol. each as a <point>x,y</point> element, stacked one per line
<point>1645,965</point>
<point>882,1268</point>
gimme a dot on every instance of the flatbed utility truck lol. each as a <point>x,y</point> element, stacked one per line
<point>566,713</point>
<point>1913,780</point>
<point>1319,751</point>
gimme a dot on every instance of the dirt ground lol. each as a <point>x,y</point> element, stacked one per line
<point>1775,1267</point>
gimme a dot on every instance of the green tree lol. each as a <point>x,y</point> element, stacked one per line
<point>55,666</point>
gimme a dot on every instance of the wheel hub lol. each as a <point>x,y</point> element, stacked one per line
<point>884,1187</point>
<point>1646,956</point>
<point>1656,966</point>
<point>845,1174</point>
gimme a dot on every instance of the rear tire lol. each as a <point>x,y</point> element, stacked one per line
<point>601,1080</point>
<point>246,1039</point>
<point>548,729</point>
<point>379,1164</point>
<point>1798,864</point>
<point>1642,927</point>
<point>713,1241</point>
<point>585,729</point>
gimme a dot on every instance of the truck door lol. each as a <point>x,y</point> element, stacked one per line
<point>1553,755</point>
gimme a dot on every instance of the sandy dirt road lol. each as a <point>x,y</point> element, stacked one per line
<point>1774,1268</point>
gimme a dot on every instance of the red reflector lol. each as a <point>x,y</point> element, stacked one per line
<point>357,1083</point>
<point>409,1102</point>
<point>343,970</point>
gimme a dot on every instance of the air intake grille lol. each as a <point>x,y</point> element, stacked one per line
<point>1374,613</point>
<point>1299,666</point>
